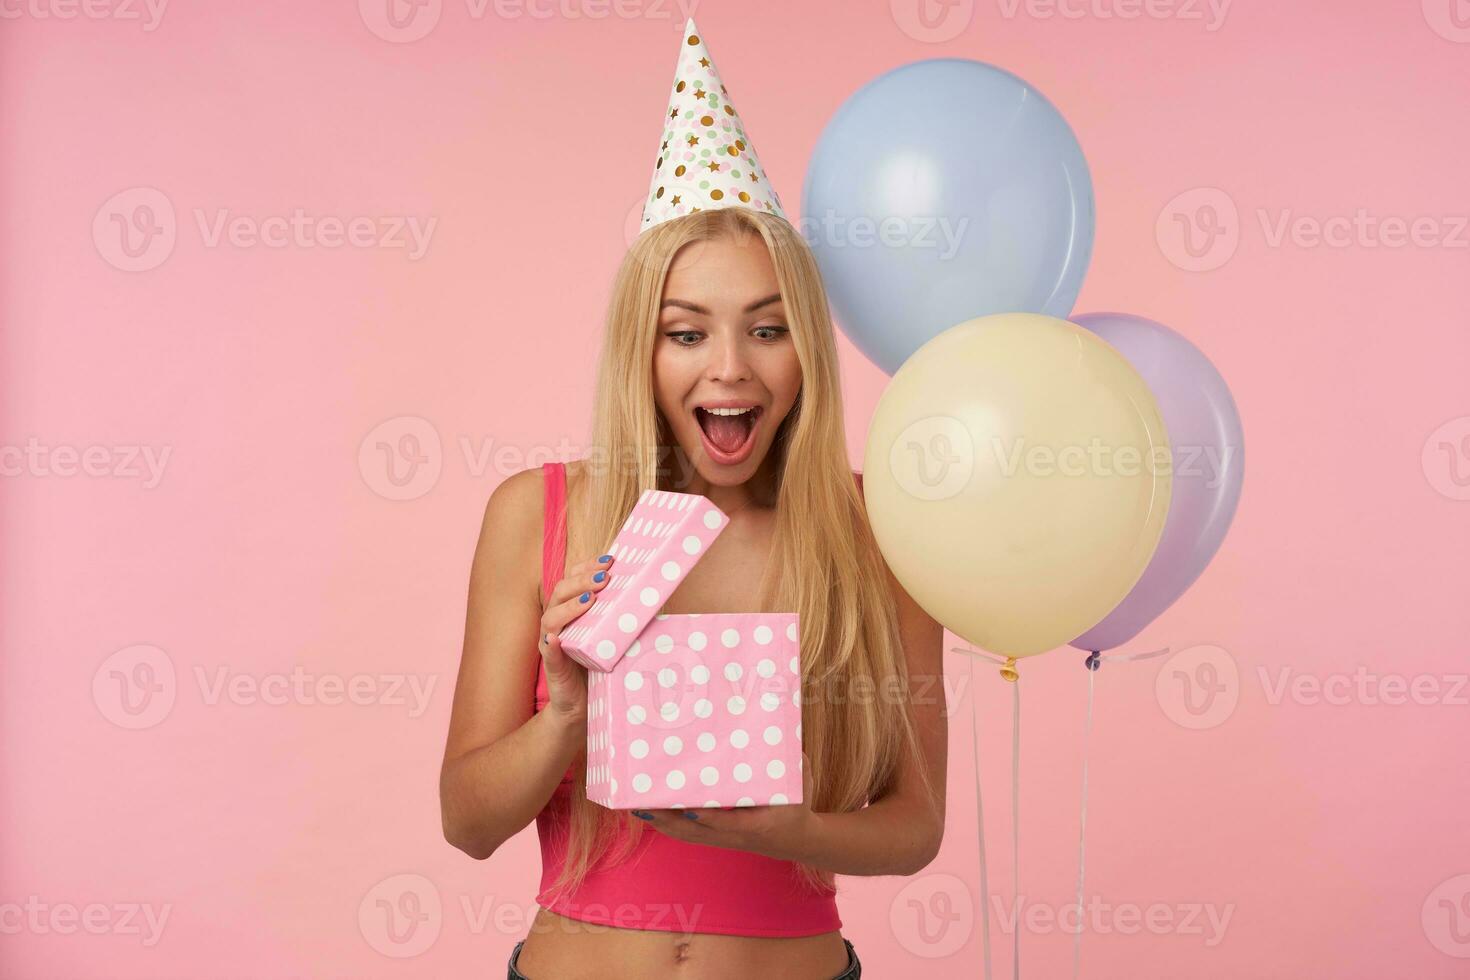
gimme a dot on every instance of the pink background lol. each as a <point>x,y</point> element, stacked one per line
<point>289,830</point>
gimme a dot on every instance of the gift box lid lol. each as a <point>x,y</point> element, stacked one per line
<point>662,539</point>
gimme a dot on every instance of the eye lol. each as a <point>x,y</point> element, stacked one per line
<point>775,331</point>
<point>674,335</point>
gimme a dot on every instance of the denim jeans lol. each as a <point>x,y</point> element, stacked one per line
<point>853,972</point>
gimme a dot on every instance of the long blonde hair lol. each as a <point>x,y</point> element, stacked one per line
<point>825,564</point>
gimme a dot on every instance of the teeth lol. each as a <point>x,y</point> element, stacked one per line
<point>728,411</point>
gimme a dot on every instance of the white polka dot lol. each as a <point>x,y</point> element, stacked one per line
<point>642,783</point>
<point>795,666</point>
<point>763,635</point>
<point>745,801</point>
<point>614,788</point>
<point>649,596</point>
<point>775,768</point>
<point>796,697</point>
<point>740,738</point>
<point>663,643</point>
<point>773,735</point>
<point>731,638</point>
<point>705,741</point>
<point>671,570</point>
<point>770,702</point>
<point>638,748</point>
<point>635,649</point>
<point>798,729</point>
<point>742,772</point>
<point>675,779</point>
<point>711,519</point>
<point>699,674</point>
<point>733,671</point>
<point>766,668</point>
<point>703,708</point>
<point>673,745</point>
<point>790,631</point>
<point>633,680</point>
<point>778,798</point>
<point>637,715</point>
<point>709,775</point>
<point>692,545</point>
<point>736,705</point>
<point>697,640</point>
<point>606,649</point>
<point>668,677</point>
<point>669,711</point>
<point>628,623</point>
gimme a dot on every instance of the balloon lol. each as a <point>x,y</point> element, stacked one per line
<point>1016,478</point>
<point>940,191</point>
<point>1208,467</point>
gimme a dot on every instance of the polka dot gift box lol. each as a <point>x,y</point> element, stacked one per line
<point>704,711</point>
<point>656,547</point>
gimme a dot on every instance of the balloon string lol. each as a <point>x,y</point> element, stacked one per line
<point>980,822</point>
<point>1015,826</point>
<point>1092,663</point>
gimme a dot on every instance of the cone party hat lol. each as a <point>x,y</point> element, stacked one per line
<point>705,159</point>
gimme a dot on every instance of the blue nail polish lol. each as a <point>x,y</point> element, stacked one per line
<point>604,558</point>
<point>642,816</point>
<point>599,576</point>
<point>586,596</point>
<point>691,814</point>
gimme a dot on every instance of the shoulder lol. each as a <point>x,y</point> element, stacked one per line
<point>513,514</point>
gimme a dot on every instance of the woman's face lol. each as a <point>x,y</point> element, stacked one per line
<point>723,345</point>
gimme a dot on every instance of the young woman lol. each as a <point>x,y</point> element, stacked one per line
<point>719,377</point>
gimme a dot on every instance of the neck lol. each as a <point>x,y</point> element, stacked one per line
<point>756,493</point>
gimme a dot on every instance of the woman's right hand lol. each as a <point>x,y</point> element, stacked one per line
<point>566,680</point>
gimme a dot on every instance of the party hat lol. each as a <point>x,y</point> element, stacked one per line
<point>705,159</point>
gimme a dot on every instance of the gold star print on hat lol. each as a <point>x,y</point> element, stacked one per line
<point>705,159</point>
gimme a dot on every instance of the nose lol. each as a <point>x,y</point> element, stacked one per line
<point>727,362</point>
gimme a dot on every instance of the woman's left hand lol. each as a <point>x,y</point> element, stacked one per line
<point>779,831</point>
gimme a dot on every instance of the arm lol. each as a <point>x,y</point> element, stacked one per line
<point>502,761</point>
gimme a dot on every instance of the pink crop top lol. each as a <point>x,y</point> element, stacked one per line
<point>666,884</point>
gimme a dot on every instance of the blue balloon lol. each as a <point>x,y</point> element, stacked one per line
<point>941,191</point>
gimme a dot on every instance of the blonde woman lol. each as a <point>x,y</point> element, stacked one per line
<point>718,376</point>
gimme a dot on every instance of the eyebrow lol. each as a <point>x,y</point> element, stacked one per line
<point>696,308</point>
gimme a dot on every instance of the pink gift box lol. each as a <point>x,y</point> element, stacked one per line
<point>658,544</point>
<point>704,710</point>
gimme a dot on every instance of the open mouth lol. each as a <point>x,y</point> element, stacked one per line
<point>729,434</point>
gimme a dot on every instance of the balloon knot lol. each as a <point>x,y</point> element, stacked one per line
<point>1009,671</point>
<point>1093,660</point>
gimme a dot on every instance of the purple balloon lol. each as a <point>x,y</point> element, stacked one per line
<point>1208,450</point>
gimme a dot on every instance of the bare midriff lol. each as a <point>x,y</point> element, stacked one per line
<point>568,949</point>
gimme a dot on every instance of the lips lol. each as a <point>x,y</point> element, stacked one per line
<point>728,439</point>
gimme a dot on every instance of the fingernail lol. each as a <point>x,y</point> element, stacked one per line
<point>691,814</point>
<point>599,576</point>
<point>604,558</point>
<point>642,816</point>
<point>586,596</point>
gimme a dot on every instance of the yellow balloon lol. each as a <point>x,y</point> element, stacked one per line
<point>1017,477</point>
